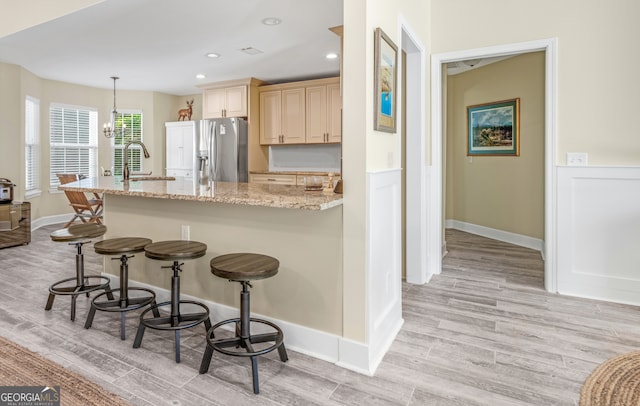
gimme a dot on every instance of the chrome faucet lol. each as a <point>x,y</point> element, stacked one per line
<point>125,170</point>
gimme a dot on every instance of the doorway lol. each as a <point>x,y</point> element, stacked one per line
<point>435,189</point>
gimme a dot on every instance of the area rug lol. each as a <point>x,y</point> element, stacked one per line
<point>21,367</point>
<point>616,382</point>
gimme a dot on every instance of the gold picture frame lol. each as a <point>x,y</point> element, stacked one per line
<point>385,87</point>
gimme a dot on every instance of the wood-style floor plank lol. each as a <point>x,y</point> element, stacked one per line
<point>484,332</point>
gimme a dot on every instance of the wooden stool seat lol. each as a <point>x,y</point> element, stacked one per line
<point>244,266</point>
<point>78,232</point>
<point>174,250</point>
<point>123,246</point>
<point>78,235</point>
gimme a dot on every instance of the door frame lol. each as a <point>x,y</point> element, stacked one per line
<point>435,192</point>
<point>415,193</point>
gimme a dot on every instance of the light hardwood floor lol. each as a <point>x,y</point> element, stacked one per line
<point>484,332</point>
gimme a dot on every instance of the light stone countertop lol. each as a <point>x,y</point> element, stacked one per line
<point>249,194</point>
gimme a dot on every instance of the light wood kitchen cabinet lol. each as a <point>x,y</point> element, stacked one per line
<point>282,116</point>
<point>305,112</point>
<point>323,114</point>
<point>180,147</point>
<point>274,179</point>
<point>225,102</point>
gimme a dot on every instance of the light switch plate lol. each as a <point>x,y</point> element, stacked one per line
<point>577,158</point>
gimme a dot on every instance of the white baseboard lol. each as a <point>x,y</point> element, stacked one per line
<point>48,220</point>
<point>318,344</point>
<point>512,238</point>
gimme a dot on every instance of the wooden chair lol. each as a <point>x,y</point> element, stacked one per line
<point>87,210</point>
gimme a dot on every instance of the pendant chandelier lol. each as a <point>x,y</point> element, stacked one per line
<point>108,129</point>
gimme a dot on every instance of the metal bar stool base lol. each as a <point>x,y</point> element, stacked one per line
<point>76,290</point>
<point>122,305</point>
<point>176,322</point>
<point>246,344</point>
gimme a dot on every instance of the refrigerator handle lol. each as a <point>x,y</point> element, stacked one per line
<point>215,152</point>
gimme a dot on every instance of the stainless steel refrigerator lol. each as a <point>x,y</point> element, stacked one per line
<point>221,150</point>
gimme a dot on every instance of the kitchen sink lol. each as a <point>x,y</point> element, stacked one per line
<point>152,178</point>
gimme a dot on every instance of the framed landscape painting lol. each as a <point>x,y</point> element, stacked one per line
<point>494,128</point>
<point>385,72</point>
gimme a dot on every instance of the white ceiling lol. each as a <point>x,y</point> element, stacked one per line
<point>160,45</point>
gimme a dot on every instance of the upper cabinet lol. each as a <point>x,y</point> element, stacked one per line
<point>323,114</point>
<point>282,116</point>
<point>225,102</point>
<point>308,112</point>
<point>228,99</point>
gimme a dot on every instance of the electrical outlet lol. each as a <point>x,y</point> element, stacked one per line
<point>186,231</point>
<point>577,158</point>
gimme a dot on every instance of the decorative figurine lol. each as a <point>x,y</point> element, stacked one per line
<point>186,113</point>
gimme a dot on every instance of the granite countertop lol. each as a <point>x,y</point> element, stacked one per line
<point>249,194</point>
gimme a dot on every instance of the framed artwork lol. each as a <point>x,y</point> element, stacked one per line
<point>494,128</point>
<point>385,90</point>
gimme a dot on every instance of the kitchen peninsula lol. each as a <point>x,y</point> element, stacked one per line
<point>303,230</point>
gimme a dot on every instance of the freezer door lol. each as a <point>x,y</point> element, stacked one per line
<point>225,163</point>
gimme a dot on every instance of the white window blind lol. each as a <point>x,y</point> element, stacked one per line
<point>133,131</point>
<point>32,144</point>
<point>73,141</point>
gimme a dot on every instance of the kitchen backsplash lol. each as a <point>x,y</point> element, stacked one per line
<point>321,158</point>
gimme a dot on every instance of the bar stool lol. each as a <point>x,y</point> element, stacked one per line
<point>78,234</point>
<point>175,251</point>
<point>123,247</point>
<point>244,268</point>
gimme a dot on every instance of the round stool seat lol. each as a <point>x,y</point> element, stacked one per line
<point>78,232</point>
<point>175,250</point>
<point>244,266</point>
<point>124,245</point>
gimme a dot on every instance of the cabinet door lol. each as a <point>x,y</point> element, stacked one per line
<point>270,117</point>
<point>214,103</point>
<point>236,101</point>
<point>316,120</point>
<point>293,116</point>
<point>334,113</point>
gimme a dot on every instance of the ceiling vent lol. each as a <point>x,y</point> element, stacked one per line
<point>250,51</point>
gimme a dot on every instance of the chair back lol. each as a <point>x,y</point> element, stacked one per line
<point>85,209</point>
<point>65,178</point>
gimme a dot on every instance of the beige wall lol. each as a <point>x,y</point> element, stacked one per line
<point>500,192</point>
<point>17,83</point>
<point>597,63</point>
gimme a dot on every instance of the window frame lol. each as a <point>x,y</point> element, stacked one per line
<point>91,147</point>
<point>32,147</point>
<point>135,160</point>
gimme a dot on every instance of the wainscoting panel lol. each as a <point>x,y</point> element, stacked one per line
<point>384,262</point>
<point>599,233</point>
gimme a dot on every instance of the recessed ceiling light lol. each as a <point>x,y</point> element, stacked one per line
<point>213,55</point>
<point>271,21</point>
<point>200,76</point>
<point>331,55</point>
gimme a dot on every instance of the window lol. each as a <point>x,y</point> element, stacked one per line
<point>133,131</point>
<point>74,141</point>
<point>32,146</point>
